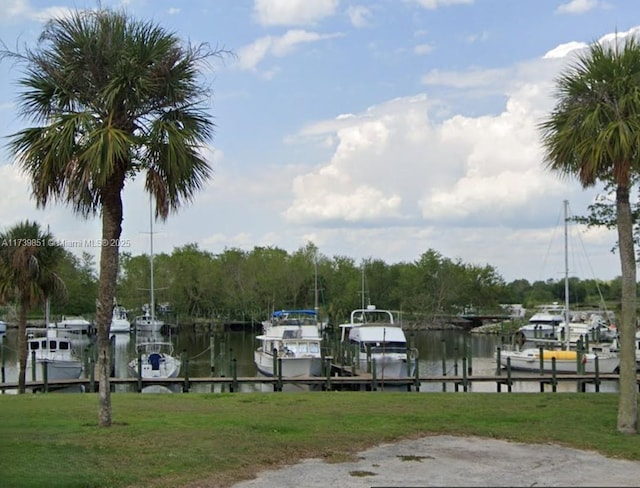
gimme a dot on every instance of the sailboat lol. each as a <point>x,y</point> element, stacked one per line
<point>148,322</point>
<point>564,359</point>
<point>154,355</point>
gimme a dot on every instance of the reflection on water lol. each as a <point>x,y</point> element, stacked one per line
<point>440,351</point>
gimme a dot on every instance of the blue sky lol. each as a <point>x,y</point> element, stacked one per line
<point>375,129</point>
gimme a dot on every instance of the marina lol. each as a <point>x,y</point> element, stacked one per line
<point>224,362</point>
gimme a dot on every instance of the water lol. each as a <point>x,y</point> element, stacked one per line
<point>435,347</point>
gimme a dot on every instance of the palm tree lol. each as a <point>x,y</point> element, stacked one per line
<point>28,259</point>
<point>593,133</point>
<point>111,97</point>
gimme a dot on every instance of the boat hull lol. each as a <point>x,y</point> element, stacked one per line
<point>291,367</point>
<point>529,360</point>
<point>56,369</point>
<point>165,366</point>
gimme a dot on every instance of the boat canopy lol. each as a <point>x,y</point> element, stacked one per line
<point>284,313</point>
<point>377,334</point>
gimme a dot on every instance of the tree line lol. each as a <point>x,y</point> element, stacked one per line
<point>192,285</point>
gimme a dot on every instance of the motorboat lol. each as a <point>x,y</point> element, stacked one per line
<point>147,322</point>
<point>543,324</point>
<point>154,359</point>
<point>291,317</point>
<point>54,353</point>
<point>3,326</point>
<point>293,347</point>
<point>378,339</point>
<point>566,361</point>
<point>120,320</point>
<point>72,327</point>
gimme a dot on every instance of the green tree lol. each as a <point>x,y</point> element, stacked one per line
<point>593,133</point>
<point>111,97</point>
<point>28,260</point>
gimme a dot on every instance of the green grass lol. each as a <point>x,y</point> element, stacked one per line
<point>176,440</point>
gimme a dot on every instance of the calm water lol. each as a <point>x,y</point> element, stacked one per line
<point>434,348</point>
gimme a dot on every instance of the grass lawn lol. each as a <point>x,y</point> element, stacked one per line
<point>170,440</point>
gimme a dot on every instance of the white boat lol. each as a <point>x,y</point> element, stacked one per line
<point>529,359</point>
<point>72,327</point>
<point>147,321</point>
<point>561,341</point>
<point>544,323</point>
<point>291,317</point>
<point>156,358</point>
<point>3,326</point>
<point>56,353</point>
<point>120,319</point>
<point>378,338</point>
<point>295,348</point>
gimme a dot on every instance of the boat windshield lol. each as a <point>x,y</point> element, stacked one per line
<point>383,347</point>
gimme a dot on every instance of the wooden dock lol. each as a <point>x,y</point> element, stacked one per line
<point>363,381</point>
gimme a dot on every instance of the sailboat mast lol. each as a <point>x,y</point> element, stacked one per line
<point>151,297</point>
<point>566,276</point>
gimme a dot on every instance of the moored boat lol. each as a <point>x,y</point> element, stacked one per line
<point>559,361</point>
<point>155,359</point>
<point>295,348</point>
<point>56,355</point>
<point>378,339</point>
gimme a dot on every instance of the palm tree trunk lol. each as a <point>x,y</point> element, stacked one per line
<point>22,347</point>
<point>628,401</point>
<point>109,256</point>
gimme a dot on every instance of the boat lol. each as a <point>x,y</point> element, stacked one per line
<point>566,361</point>
<point>54,353</point>
<point>3,326</point>
<point>557,341</point>
<point>378,339</point>
<point>120,319</point>
<point>290,344</point>
<point>154,358</point>
<point>72,327</point>
<point>291,317</point>
<point>543,324</point>
<point>147,322</point>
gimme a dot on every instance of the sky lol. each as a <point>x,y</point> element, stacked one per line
<point>376,129</point>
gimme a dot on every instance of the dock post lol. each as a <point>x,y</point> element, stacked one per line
<point>33,365</point>
<point>234,373</point>
<point>279,374</point>
<point>416,379</point>
<point>469,361</point>
<point>327,372</point>
<point>2,370</point>
<point>554,382</point>
<point>464,375</point>
<point>45,376</point>
<point>374,383</point>
<point>509,374</point>
<point>275,368</point>
<point>112,357</point>
<point>541,359</point>
<point>455,366</point>
<point>185,361</point>
<point>444,364</point>
<point>212,351</point>
<point>597,380</point>
<point>369,366</point>
<point>139,372</point>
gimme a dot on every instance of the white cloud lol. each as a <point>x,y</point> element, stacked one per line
<point>466,79</point>
<point>422,49</point>
<point>434,4</point>
<point>577,6</point>
<point>17,9</point>
<point>359,15</point>
<point>293,12</point>
<point>253,54</point>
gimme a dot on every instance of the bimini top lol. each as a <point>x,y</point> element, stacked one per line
<point>279,314</point>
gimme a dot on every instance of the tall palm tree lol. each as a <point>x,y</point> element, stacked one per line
<point>111,97</point>
<point>593,134</point>
<point>28,260</point>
